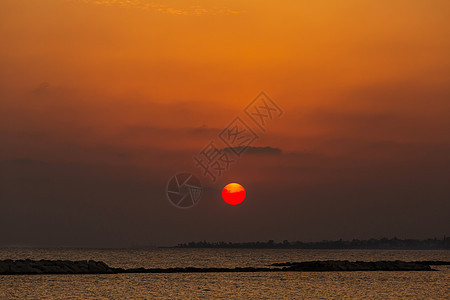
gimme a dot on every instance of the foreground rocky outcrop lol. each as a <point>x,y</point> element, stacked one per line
<point>28,266</point>
<point>17,267</point>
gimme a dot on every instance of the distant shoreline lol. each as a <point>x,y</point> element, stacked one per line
<point>355,244</point>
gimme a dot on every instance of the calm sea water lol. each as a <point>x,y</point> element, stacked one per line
<point>419,285</point>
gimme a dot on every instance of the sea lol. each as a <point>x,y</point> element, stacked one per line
<point>270,285</point>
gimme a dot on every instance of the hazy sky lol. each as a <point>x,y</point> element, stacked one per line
<point>101,102</point>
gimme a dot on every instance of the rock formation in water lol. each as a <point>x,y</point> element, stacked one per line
<point>28,266</point>
<point>16,267</point>
<point>345,265</point>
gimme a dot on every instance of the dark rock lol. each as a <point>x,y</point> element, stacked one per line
<point>344,265</point>
<point>434,262</point>
<point>12,267</point>
<point>27,266</point>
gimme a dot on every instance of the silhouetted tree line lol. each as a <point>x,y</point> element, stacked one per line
<point>382,243</point>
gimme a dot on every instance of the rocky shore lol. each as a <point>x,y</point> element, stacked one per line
<point>20,267</point>
<point>27,266</point>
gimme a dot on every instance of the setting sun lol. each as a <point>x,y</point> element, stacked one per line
<point>233,193</point>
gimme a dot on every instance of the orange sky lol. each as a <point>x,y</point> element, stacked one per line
<point>144,85</point>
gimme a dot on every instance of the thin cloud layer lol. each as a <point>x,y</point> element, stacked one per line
<point>206,8</point>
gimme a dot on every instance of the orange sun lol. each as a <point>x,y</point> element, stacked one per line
<point>233,193</point>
